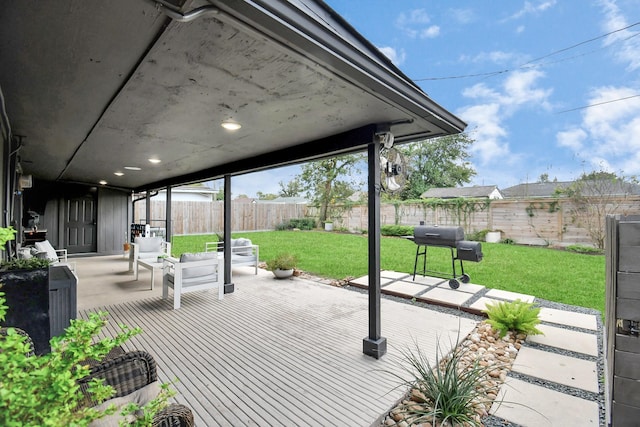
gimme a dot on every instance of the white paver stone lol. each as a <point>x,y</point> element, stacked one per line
<point>364,281</point>
<point>426,280</point>
<point>569,318</point>
<point>541,407</point>
<point>469,288</point>
<point>580,342</point>
<point>393,274</point>
<point>446,295</point>
<point>511,296</point>
<point>558,368</point>
<point>406,288</point>
<point>481,303</point>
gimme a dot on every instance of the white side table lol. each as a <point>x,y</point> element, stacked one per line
<point>150,264</point>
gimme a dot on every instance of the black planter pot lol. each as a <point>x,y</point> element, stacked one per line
<point>27,294</point>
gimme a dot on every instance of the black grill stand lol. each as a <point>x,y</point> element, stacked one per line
<point>454,281</point>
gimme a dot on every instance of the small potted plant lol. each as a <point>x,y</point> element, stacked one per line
<point>328,225</point>
<point>282,265</point>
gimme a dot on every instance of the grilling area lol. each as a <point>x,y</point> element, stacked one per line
<point>445,237</point>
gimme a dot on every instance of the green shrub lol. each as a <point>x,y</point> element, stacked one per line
<point>299,223</point>
<point>452,389</point>
<point>396,230</point>
<point>508,241</point>
<point>44,390</point>
<point>582,249</point>
<point>477,236</point>
<point>518,316</point>
<point>282,261</point>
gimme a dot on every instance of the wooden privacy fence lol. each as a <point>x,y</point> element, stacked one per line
<point>526,221</point>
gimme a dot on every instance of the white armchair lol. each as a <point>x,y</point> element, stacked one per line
<point>147,248</point>
<point>192,272</point>
<point>45,250</point>
<point>243,252</point>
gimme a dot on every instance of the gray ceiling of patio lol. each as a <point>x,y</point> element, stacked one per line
<point>94,86</point>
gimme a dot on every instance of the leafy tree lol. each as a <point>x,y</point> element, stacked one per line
<point>438,162</point>
<point>266,196</point>
<point>329,180</point>
<point>594,196</point>
<point>292,188</point>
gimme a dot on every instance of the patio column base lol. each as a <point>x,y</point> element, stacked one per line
<point>374,348</point>
<point>229,288</point>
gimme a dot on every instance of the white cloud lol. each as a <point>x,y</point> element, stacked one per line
<point>397,57</point>
<point>572,139</point>
<point>534,8</point>
<point>431,32</point>
<point>463,16</point>
<point>625,43</point>
<point>610,132</point>
<point>496,104</point>
<point>414,24</point>
<point>496,57</point>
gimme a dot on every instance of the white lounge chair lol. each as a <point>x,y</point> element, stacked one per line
<point>243,252</point>
<point>192,272</point>
<point>147,248</point>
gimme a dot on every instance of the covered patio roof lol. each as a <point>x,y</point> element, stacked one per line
<point>94,87</point>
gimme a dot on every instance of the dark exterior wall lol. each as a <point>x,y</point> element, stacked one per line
<point>114,217</point>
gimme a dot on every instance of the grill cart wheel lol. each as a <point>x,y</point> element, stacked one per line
<point>454,284</point>
<point>465,278</point>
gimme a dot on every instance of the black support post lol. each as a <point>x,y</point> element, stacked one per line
<point>374,345</point>
<point>167,219</point>
<point>226,245</point>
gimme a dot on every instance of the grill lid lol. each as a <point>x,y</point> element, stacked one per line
<point>437,236</point>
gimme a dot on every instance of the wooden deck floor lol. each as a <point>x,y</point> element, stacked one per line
<point>275,353</point>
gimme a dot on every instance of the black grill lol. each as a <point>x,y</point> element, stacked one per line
<point>445,237</point>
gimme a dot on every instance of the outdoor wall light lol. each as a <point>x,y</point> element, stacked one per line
<point>118,173</point>
<point>155,160</point>
<point>102,182</point>
<point>229,125</point>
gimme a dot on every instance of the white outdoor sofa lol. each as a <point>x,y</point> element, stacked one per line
<point>147,248</point>
<point>243,252</point>
<point>192,272</point>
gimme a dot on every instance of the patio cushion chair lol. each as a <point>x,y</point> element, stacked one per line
<point>134,378</point>
<point>147,248</point>
<point>243,252</point>
<point>192,272</point>
<point>45,250</point>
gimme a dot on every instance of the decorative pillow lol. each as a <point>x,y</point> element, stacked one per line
<point>46,247</point>
<point>149,244</point>
<point>205,270</point>
<point>241,242</point>
<point>141,396</point>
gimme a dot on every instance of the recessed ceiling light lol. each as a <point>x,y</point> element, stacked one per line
<point>133,168</point>
<point>229,125</point>
<point>103,182</point>
<point>155,160</point>
<point>118,173</point>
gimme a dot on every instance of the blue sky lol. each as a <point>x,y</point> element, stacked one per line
<point>519,73</point>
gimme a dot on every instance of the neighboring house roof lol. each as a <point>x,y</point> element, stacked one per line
<point>551,189</point>
<point>291,200</point>
<point>193,192</point>
<point>478,191</point>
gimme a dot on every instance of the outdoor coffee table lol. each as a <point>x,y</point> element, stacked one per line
<point>150,264</point>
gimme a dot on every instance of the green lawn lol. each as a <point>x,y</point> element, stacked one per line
<point>553,275</point>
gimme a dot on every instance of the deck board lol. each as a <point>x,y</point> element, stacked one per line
<point>280,352</point>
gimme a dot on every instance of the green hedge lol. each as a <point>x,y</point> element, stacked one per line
<point>299,223</point>
<point>396,230</point>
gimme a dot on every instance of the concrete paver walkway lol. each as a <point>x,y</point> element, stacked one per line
<point>554,379</point>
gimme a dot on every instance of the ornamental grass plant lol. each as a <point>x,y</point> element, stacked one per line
<point>453,390</point>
